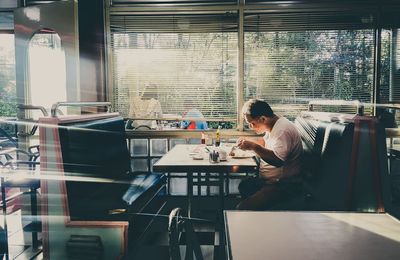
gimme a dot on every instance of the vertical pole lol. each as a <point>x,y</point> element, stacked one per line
<point>4,207</point>
<point>240,80</point>
<point>377,64</point>
<point>108,52</point>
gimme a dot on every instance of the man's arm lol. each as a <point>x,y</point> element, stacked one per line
<point>264,153</point>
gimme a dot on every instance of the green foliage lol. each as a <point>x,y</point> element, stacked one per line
<point>8,107</point>
<point>8,103</point>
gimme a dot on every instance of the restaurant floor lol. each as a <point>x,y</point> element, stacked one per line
<point>205,222</point>
<point>19,242</point>
<point>154,244</point>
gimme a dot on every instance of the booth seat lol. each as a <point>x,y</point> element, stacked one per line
<point>95,190</point>
<point>344,164</point>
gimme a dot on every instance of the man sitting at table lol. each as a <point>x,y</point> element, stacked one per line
<point>280,150</point>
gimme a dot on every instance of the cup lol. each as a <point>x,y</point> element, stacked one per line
<point>222,154</point>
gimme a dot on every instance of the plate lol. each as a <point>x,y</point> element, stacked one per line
<point>242,155</point>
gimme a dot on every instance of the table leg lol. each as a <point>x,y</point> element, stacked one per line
<point>190,193</point>
<point>208,183</point>
<point>221,191</point>
<point>198,185</point>
<point>220,222</point>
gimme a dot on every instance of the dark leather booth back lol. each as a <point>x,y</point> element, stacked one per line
<point>95,149</point>
<point>327,158</point>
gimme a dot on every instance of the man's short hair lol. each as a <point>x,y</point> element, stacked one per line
<point>256,108</point>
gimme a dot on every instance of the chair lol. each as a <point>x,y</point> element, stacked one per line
<point>176,226</point>
<point>32,184</point>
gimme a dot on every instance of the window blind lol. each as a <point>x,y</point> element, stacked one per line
<point>306,21</point>
<point>184,61</point>
<point>173,2</point>
<point>6,21</point>
<point>291,59</point>
<point>390,58</point>
<point>386,67</point>
<point>8,4</point>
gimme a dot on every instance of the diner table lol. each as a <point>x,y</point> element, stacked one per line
<point>311,235</point>
<point>181,159</point>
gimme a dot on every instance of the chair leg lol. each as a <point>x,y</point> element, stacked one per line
<point>4,207</point>
<point>192,243</point>
<point>3,243</point>
<point>208,183</point>
<point>35,241</point>
<point>227,184</point>
<point>3,198</point>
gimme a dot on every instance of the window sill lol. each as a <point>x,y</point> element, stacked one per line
<point>183,133</point>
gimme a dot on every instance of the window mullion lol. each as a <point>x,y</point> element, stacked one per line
<point>240,81</point>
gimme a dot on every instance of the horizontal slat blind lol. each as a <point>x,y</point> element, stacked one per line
<point>6,21</point>
<point>181,67</point>
<point>307,21</point>
<point>178,23</point>
<point>395,93</point>
<point>39,2</point>
<point>290,59</point>
<point>174,2</point>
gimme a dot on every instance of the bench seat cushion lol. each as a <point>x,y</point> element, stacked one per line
<point>141,184</point>
<point>106,198</point>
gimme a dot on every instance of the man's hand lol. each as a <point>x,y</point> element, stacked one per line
<point>245,144</point>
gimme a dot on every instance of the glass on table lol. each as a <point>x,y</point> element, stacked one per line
<point>214,156</point>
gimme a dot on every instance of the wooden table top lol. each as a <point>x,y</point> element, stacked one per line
<point>312,235</point>
<point>180,159</point>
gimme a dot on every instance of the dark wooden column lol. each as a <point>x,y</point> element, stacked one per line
<point>92,50</point>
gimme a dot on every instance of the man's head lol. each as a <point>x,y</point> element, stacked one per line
<point>259,115</point>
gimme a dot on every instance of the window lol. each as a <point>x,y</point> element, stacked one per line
<point>292,55</point>
<point>291,59</point>
<point>184,59</point>
<point>8,96</point>
<point>288,69</point>
<point>390,56</point>
<point>47,71</point>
